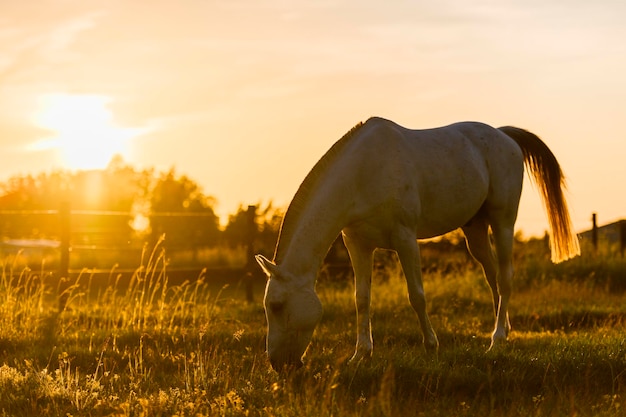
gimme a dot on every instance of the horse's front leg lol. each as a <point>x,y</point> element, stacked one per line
<point>364,341</point>
<point>361,257</point>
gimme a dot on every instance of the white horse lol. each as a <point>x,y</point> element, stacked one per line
<point>385,186</point>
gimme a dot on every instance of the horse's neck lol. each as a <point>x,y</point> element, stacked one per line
<point>317,213</point>
<point>317,228</point>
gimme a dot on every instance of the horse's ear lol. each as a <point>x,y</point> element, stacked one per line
<point>268,266</point>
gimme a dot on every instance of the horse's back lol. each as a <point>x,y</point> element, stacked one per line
<point>444,151</point>
<point>477,134</point>
<point>435,179</point>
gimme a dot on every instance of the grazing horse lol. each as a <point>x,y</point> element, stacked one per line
<point>385,186</point>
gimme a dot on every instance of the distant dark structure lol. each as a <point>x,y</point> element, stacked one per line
<point>610,234</point>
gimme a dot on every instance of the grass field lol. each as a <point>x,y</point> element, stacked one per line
<point>153,349</point>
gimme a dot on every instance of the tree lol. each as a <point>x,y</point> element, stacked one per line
<point>172,197</point>
<point>268,222</point>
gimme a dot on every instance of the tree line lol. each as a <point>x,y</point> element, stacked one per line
<point>122,204</point>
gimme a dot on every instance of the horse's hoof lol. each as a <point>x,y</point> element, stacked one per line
<point>431,346</point>
<point>360,356</point>
<point>497,343</point>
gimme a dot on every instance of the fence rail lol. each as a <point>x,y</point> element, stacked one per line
<point>64,245</point>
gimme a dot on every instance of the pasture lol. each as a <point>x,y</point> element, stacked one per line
<point>152,348</point>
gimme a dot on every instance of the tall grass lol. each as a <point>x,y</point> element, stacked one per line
<point>140,346</point>
<point>22,294</point>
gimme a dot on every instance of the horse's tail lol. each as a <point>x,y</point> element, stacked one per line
<point>544,169</point>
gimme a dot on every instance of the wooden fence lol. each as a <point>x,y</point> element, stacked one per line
<point>612,234</point>
<point>248,272</point>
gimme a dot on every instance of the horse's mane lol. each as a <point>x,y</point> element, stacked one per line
<point>302,196</point>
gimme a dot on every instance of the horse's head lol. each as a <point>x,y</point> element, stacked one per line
<point>293,310</point>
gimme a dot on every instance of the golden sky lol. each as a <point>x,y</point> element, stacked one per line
<point>244,96</point>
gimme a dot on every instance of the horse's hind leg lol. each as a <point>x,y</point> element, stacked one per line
<point>408,251</point>
<point>478,243</point>
<point>479,246</point>
<point>503,239</point>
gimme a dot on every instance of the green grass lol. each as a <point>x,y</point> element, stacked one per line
<point>153,349</point>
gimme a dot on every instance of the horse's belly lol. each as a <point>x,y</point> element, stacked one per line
<point>442,225</point>
<point>430,220</point>
<point>438,214</point>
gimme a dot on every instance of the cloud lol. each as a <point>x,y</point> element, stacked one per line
<point>36,43</point>
<point>63,35</point>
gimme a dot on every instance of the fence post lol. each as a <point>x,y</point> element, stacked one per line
<point>594,231</point>
<point>64,267</point>
<point>622,237</point>
<point>251,231</point>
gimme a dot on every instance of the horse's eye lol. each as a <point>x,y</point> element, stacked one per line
<point>276,307</point>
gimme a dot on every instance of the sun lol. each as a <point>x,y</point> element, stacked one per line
<point>84,133</point>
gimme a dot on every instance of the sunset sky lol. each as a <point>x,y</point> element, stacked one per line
<point>245,96</point>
